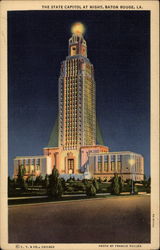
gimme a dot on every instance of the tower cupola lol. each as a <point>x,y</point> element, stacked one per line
<point>77,43</point>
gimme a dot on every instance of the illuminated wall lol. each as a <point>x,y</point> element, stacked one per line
<point>126,164</point>
<point>33,165</point>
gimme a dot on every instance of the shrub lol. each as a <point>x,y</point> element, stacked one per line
<point>105,180</point>
<point>121,184</point>
<point>78,186</point>
<point>63,182</point>
<point>69,189</point>
<point>70,180</point>
<point>90,190</point>
<point>115,185</point>
<point>96,184</point>
<point>148,189</point>
<point>55,187</point>
<point>38,180</point>
<point>99,180</point>
<point>85,181</point>
<point>103,190</point>
<point>135,189</point>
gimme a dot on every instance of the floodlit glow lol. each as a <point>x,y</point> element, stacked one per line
<point>131,162</point>
<point>78,28</point>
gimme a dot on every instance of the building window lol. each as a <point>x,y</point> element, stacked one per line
<point>27,161</point>
<point>119,157</point>
<point>105,163</point>
<point>112,157</point>
<point>37,161</point>
<point>99,163</point>
<point>27,169</point>
<point>37,168</point>
<point>32,161</point>
<point>119,165</point>
<point>112,165</point>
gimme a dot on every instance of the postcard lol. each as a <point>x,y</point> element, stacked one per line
<point>79,125</point>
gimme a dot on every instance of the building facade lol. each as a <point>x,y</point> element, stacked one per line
<point>77,153</point>
<point>33,165</point>
<point>126,164</point>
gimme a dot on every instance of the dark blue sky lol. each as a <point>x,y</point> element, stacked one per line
<point>119,48</point>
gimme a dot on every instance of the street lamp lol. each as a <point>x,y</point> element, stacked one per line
<point>132,162</point>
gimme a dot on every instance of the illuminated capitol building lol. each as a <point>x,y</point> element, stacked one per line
<point>78,153</point>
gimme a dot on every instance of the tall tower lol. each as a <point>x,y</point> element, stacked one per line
<point>77,105</point>
<point>76,110</point>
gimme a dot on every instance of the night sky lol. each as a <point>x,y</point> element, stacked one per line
<point>119,48</point>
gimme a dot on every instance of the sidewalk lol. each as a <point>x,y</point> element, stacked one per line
<point>45,196</point>
<point>68,195</point>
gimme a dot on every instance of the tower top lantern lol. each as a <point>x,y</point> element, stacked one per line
<point>78,28</point>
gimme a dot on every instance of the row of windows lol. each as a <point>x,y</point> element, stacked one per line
<point>70,121</point>
<point>73,137</point>
<point>112,158</point>
<point>71,89</point>
<point>72,73</point>
<point>70,147</point>
<point>70,113</point>
<point>106,166</point>
<point>71,129</point>
<point>72,100</point>
<point>70,108</point>
<point>71,67</point>
<point>28,161</point>
<point>71,116</point>
<point>71,95</point>
<point>72,144</point>
<point>30,169</point>
<point>72,78</point>
<point>72,62</point>
<point>70,135</point>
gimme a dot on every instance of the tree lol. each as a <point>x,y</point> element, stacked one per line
<point>38,180</point>
<point>55,187</point>
<point>63,182</point>
<point>46,181</point>
<point>115,185</point>
<point>11,185</point>
<point>20,180</point>
<point>148,186</point>
<point>144,182</point>
<point>121,183</point>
